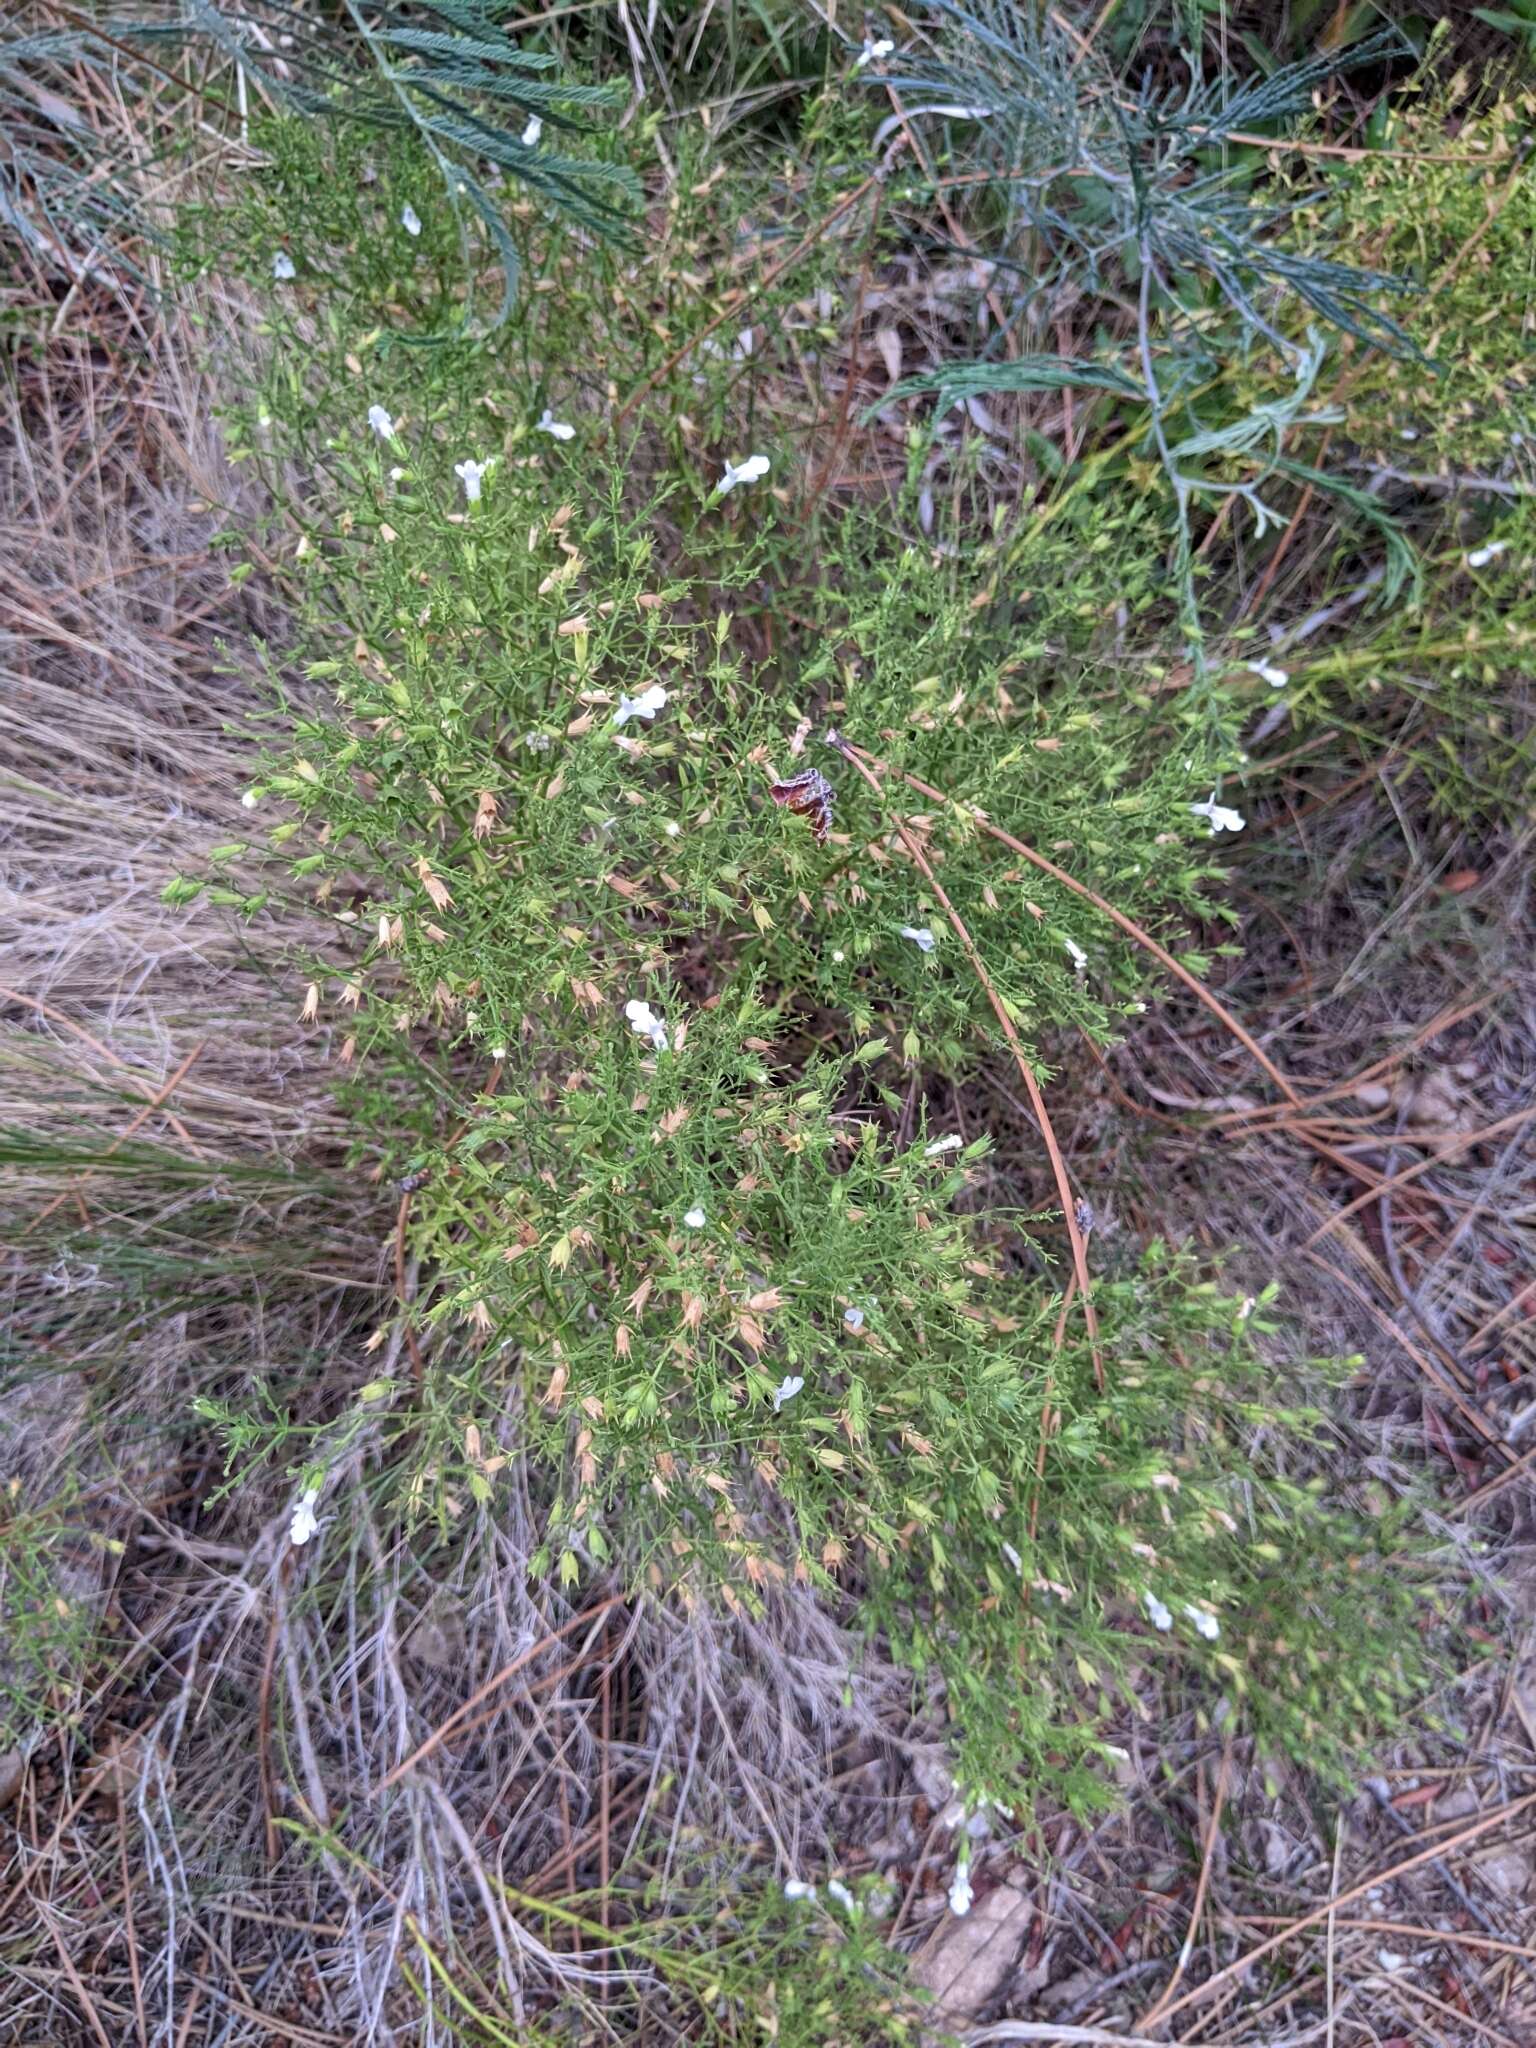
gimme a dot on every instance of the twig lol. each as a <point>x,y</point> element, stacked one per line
<point>15,995</point>
<point>1128,925</point>
<point>1218,1801</point>
<point>155,1102</point>
<point>1021,1061</point>
<point>1482,1826</point>
<point>518,1663</point>
<point>733,311</point>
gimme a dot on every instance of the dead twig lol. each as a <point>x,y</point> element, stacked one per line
<point>1026,1071</point>
<point>1481,1826</point>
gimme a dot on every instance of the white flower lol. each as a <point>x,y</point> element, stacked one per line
<point>960,1893</point>
<point>920,936</point>
<point>839,955</point>
<point>797,1888</point>
<point>396,474</point>
<point>854,1318</point>
<point>537,742</point>
<point>381,422</point>
<point>250,800</point>
<point>695,1218</point>
<point>498,1052</point>
<point>953,1143</point>
<point>1481,557</point>
<point>1076,955</point>
<point>645,706</point>
<point>1221,818</point>
<point>746,472</point>
<point>873,51</point>
<point>282,267</point>
<point>1277,678</point>
<point>410,220</point>
<point>1013,1557</point>
<point>303,1522</point>
<point>1205,1622</point>
<point>643,1019</point>
<point>471,475</point>
<point>671,827</point>
<point>548,424</point>
<point>786,1390</point>
<point>836,1889</point>
<point>532,132</point>
<point>1157,1613</point>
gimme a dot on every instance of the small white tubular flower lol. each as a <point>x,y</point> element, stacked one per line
<point>1481,557</point>
<point>381,422</point>
<point>282,267</point>
<point>1277,678</point>
<point>250,800</point>
<point>746,472</point>
<point>872,52</point>
<point>694,1218</point>
<point>953,1143</point>
<point>1205,1623</point>
<point>1157,1613</point>
<point>644,1020</point>
<point>303,1522</point>
<point>530,135</point>
<point>836,1889</point>
<point>854,1318</point>
<point>786,1390</point>
<point>960,1893</point>
<point>797,1888</point>
<point>920,936</point>
<point>548,424</point>
<point>645,706</point>
<point>410,220</point>
<point>471,475</point>
<point>1221,818</point>
<point>1076,955</point>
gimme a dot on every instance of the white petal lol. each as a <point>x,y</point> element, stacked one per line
<point>695,1219</point>
<point>1277,678</point>
<point>960,1893</point>
<point>1076,955</point>
<point>282,267</point>
<point>532,132</point>
<point>1157,1613</point>
<point>1481,557</point>
<point>953,1143</point>
<point>797,1888</point>
<point>1204,1621</point>
<point>646,705</point>
<point>250,800</point>
<point>380,422</point>
<point>854,1318</point>
<point>746,472</point>
<point>1221,818</point>
<point>786,1390</point>
<point>303,1522</point>
<point>410,220</point>
<point>920,936</point>
<point>561,429</point>
<point>836,1889</point>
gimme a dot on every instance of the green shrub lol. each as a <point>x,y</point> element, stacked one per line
<point>648,1058</point>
